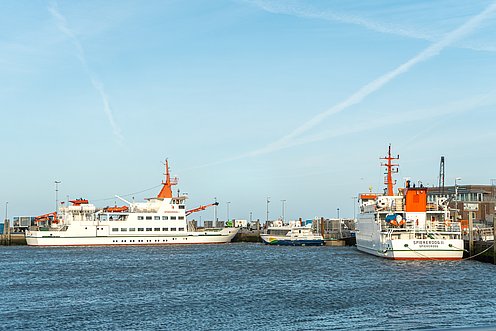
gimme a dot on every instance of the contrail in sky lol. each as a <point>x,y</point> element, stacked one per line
<point>97,84</point>
<point>299,11</point>
<point>378,83</point>
<point>291,140</point>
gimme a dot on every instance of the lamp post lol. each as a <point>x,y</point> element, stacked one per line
<point>354,207</point>
<point>338,213</point>
<point>229,202</point>
<point>267,220</point>
<point>456,197</point>
<point>456,206</point>
<point>283,201</point>
<point>6,223</point>
<point>57,194</point>
<point>215,212</point>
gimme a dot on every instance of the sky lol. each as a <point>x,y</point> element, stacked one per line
<point>250,100</point>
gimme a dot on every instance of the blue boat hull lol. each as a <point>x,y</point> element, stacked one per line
<point>296,242</point>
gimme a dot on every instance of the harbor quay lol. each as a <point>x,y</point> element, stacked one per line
<point>412,222</point>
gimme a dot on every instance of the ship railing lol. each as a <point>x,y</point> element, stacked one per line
<point>432,207</point>
<point>480,234</point>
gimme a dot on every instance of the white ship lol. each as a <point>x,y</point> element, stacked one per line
<point>157,221</point>
<point>404,226</point>
<point>294,234</point>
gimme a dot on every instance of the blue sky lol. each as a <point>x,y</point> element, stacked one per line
<point>295,100</point>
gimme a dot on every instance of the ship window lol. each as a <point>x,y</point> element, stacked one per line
<point>148,217</point>
<point>148,229</point>
<point>173,217</point>
<point>173,229</point>
<point>140,229</point>
<point>181,217</point>
<point>181,207</point>
<point>156,217</point>
<point>115,229</point>
<point>132,229</point>
<point>123,229</point>
<point>141,218</point>
<point>156,229</point>
<point>165,229</point>
<point>181,229</point>
<point>165,218</point>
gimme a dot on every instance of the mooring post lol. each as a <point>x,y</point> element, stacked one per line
<point>470,234</point>
<point>322,227</point>
<point>494,241</point>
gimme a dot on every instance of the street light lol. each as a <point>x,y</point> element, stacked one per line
<point>57,194</point>
<point>283,201</point>
<point>228,211</point>
<point>268,201</point>
<point>338,213</point>
<point>456,198</point>
<point>354,207</point>
<point>215,212</point>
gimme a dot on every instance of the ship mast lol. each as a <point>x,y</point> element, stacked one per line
<point>388,180</point>
<point>166,191</point>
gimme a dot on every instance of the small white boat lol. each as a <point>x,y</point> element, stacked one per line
<point>293,234</point>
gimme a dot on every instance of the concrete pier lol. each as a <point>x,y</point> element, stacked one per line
<point>12,239</point>
<point>247,235</point>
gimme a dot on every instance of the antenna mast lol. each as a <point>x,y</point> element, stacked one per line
<point>388,180</point>
<point>166,191</point>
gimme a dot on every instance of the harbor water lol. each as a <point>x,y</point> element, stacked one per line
<point>238,286</point>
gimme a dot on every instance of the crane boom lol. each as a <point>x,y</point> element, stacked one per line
<point>191,211</point>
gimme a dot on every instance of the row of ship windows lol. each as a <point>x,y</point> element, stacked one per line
<point>165,218</point>
<point>146,229</point>
<point>147,241</point>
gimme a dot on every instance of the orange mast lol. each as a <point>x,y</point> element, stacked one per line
<point>389,174</point>
<point>166,191</point>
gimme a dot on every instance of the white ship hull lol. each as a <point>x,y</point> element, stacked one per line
<point>58,238</point>
<point>425,240</point>
<point>157,221</point>
<point>429,249</point>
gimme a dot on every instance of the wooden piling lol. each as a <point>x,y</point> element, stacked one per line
<point>494,242</point>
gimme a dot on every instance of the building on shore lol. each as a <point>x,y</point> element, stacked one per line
<point>475,202</point>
